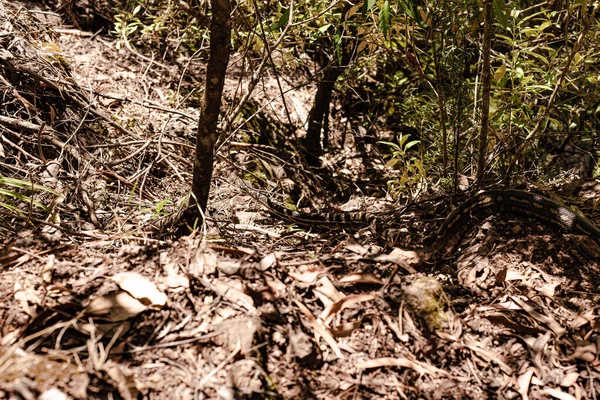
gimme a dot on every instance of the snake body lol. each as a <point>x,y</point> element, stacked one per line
<point>475,208</point>
<point>513,201</point>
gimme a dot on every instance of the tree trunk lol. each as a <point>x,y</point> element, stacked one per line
<point>220,42</point>
<point>319,113</point>
<point>486,89</point>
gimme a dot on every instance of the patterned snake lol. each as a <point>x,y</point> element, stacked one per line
<point>477,207</point>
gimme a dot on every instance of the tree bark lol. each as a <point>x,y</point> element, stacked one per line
<point>319,113</point>
<point>486,89</point>
<point>220,43</point>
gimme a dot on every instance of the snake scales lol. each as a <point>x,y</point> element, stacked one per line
<point>477,207</point>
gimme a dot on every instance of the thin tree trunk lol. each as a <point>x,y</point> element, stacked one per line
<point>485,94</point>
<point>319,113</point>
<point>220,42</point>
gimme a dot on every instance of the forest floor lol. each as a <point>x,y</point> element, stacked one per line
<point>250,306</point>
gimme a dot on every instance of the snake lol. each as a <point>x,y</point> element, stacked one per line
<point>474,209</point>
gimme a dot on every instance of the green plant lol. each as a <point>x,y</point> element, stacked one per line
<point>14,201</point>
<point>126,24</point>
<point>159,208</point>
<point>410,167</point>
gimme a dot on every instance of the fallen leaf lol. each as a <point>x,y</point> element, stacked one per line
<point>116,306</point>
<point>524,381</point>
<point>267,262</point>
<point>558,394</point>
<point>48,270</point>
<point>310,275</point>
<point>585,351</point>
<point>320,329</point>
<point>140,288</point>
<point>361,277</point>
<point>346,302</point>
<point>421,368</point>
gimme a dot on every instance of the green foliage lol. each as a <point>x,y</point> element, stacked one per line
<point>159,208</point>
<point>385,18</point>
<point>500,12</point>
<point>535,51</point>
<point>17,195</point>
<point>282,22</point>
<point>411,167</point>
<point>126,24</point>
<point>418,64</point>
<point>367,5</point>
<point>164,24</point>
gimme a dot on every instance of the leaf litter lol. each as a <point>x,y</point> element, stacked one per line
<point>258,309</point>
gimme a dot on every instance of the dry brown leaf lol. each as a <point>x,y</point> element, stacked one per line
<point>53,394</point>
<point>570,379</point>
<point>124,379</point>
<point>489,356</point>
<point>346,302</point>
<point>558,394</point>
<point>203,262</point>
<point>501,319</point>
<point>544,319</point>
<point>346,329</point>
<point>267,262</point>
<point>586,317</point>
<point>310,275</point>
<point>512,275</point>
<point>585,351</point>
<point>175,281</point>
<point>361,277</point>
<point>406,259</point>
<point>278,288</point>
<point>524,381</point>
<point>117,306</point>
<point>326,288</point>
<point>320,329</point>
<point>25,295</point>
<point>140,288</point>
<point>234,295</point>
<point>48,270</point>
<point>507,305</point>
<point>356,247</point>
<point>420,367</point>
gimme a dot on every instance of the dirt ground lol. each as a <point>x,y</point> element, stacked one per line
<point>251,306</point>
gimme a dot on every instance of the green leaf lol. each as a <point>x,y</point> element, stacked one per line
<point>390,144</point>
<point>22,197</point>
<point>283,20</point>
<point>323,29</point>
<point>402,139</point>
<point>420,167</point>
<point>411,144</point>
<point>500,12</point>
<point>161,205</point>
<point>391,162</point>
<point>519,73</point>
<point>536,55</point>
<point>409,9</point>
<point>319,32</point>
<point>545,24</point>
<point>18,183</point>
<point>338,43</point>
<point>385,18</point>
<point>367,5</point>
<point>500,72</point>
